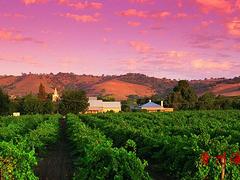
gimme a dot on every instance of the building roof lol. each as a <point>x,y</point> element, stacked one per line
<point>96,104</point>
<point>111,105</point>
<point>151,104</point>
<point>92,98</point>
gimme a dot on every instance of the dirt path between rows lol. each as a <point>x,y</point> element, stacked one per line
<point>57,163</point>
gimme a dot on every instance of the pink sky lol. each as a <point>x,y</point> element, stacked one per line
<point>182,39</point>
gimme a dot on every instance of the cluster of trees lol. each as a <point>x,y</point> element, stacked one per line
<point>73,101</point>
<point>184,97</point>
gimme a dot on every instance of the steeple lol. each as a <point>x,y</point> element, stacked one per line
<point>55,96</point>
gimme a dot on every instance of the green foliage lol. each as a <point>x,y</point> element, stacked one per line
<point>175,141</point>
<point>20,140</point>
<point>183,96</point>
<point>4,103</point>
<point>107,97</point>
<point>31,104</point>
<point>41,92</point>
<point>97,159</point>
<point>73,101</point>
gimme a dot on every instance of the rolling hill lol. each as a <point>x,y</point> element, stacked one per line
<point>119,86</point>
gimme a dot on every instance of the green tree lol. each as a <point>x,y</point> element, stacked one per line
<point>125,107</point>
<point>4,103</point>
<point>107,97</point>
<point>183,96</point>
<point>73,101</point>
<point>32,105</point>
<point>206,101</point>
<point>42,92</point>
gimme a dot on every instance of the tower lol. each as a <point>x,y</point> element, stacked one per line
<point>55,96</point>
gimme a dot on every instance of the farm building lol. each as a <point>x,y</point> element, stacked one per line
<point>99,106</point>
<point>153,107</point>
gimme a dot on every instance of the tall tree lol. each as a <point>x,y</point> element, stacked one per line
<point>4,103</point>
<point>32,105</point>
<point>42,92</point>
<point>183,96</point>
<point>73,101</point>
<point>206,101</point>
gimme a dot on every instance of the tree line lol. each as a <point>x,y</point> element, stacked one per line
<point>73,101</point>
<point>184,97</point>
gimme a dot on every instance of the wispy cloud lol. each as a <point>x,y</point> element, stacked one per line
<point>83,17</point>
<point>81,5</point>
<point>134,13</point>
<point>219,5</point>
<point>134,23</point>
<point>144,14</point>
<point>141,1</point>
<point>30,60</point>
<point>13,15</point>
<point>207,41</point>
<point>14,36</point>
<point>210,65</point>
<point>140,46</point>
<point>233,27</point>
<point>29,2</point>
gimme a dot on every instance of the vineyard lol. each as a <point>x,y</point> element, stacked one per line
<point>179,145</point>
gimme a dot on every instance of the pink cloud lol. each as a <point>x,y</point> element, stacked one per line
<point>180,3</point>
<point>9,58</point>
<point>141,1</point>
<point>9,35</point>
<point>140,46</point>
<point>160,14</point>
<point>220,5</point>
<point>210,65</point>
<point>108,29</point>
<point>82,18</point>
<point>238,4</point>
<point>13,15</point>
<point>181,15</point>
<point>134,13</point>
<point>206,23</point>
<point>29,2</point>
<point>144,14</point>
<point>233,27</point>
<point>82,5</point>
<point>134,23</point>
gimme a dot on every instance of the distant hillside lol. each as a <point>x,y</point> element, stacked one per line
<point>119,86</point>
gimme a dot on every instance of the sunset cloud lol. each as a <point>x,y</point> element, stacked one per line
<point>140,46</point>
<point>233,27</point>
<point>134,23</point>
<point>82,18</point>
<point>134,13</point>
<point>181,15</point>
<point>210,65</point>
<point>144,14</point>
<point>219,5</point>
<point>206,23</point>
<point>9,35</point>
<point>238,4</point>
<point>29,60</point>
<point>141,1</point>
<point>13,15</point>
<point>29,2</point>
<point>82,5</point>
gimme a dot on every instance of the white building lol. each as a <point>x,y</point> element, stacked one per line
<point>153,107</point>
<point>96,106</point>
